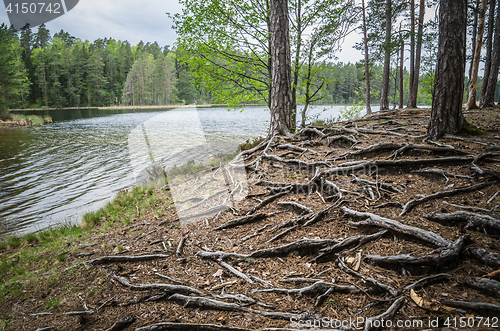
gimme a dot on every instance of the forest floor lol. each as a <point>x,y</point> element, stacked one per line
<point>362,223</point>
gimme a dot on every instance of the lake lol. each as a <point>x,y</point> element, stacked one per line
<point>54,174</point>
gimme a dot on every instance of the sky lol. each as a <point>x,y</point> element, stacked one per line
<point>135,20</point>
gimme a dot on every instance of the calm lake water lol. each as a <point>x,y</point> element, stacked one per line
<point>55,173</point>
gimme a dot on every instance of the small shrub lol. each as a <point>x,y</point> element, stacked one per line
<point>352,112</point>
<point>249,144</point>
<point>3,245</point>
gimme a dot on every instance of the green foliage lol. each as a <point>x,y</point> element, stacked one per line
<point>14,241</point>
<point>352,112</point>
<point>251,143</point>
<point>13,75</point>
<point>53,303</point>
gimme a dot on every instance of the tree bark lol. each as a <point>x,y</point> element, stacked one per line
<point>384,94</point>
<point>489,51</point>
<point>367,61</point>
<point>401,73</point>
<point>412,100</point>
<point>474,37</point>
<point>446,115</point>
<point>281,73</point>
<point>471,102</point>
<point>489,95</point>
<point>412,41</point>
<point>296,68</point>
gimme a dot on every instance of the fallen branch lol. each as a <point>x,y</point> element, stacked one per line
<point>439,257</point>
<point>413,203</point>
<point>489,258</point>
<point>256,233</point>
<point>488,286</point>
<point>375,220</point>
<point>473,220</point>
<point>205,303</point>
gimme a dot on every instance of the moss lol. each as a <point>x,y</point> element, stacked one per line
<point>470,130</point>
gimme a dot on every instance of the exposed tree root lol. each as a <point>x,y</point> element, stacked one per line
<point>473,220</point>
<point>295,206</point>
<point>381,286</point>
<point>242,220</point>
<point>441,256</point>
<point>489,258</point>
<point>384,186</point>
<point>122,323</point>
<point>371,322</point>
<point>124,259</point>
<point>299,280</point>
<point>243,299</point>
<point>413,203</point>
<point>165,288</point>
<point>297,163</point>
<point>180,247</point>
<point>488,286</point>
<point>236,272</point>
<point>341,140</point>
<point>297,148</point>
<point>440,172</point>
<point>375,220</point>
<point>347,243</point>
<point>205,303</point>
<point>267,201</point>
<point>311,290</point>
<point>436,149</point>
<point>480,307</point>
<point>427,281</point>
<point>303,247</point>
<point>173,280</point>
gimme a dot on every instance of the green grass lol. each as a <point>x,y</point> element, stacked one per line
<point>249,144</point>
<point>14,241</point>
<point>53,303</point>
<point>31,238</point>
<point>35,120</point>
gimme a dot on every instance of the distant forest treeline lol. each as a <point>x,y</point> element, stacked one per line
<point>64,71</point>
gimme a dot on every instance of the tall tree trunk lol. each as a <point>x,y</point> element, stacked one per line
<point>296,65</point>
<point>489,95</point>
<point>412,100</point>
<point>474,38</point>
<point>412,41</point>
<point>446,115</point>
<point>471,102</point>
<point>401,73</point>
<point>489,51</point>
<point>281,74</point>
<point>384,94</point>
<point>367,61</point>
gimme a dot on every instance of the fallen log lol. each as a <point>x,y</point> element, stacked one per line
<point>205,303</point>
<point>376,220</point>
<point>486,285</point>
<point>438,195</point>
<point>489,258</point>
<point>472,219</point>
<point>441,256</point>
